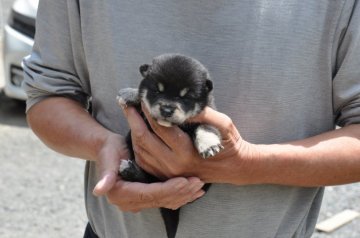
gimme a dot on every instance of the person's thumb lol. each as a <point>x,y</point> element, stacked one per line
<point>106,183</point>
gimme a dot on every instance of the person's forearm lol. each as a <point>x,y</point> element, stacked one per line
<point>66,127</point>
<point>328,159</point>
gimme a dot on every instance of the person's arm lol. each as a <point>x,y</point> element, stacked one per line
<point>327,159</point>
<point>330,158</point>
<point>66,127</point>
<point>57,83</point>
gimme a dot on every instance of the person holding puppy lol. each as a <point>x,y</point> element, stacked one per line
<point>284,74</point>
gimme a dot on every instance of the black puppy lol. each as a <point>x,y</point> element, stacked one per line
<point>174,88</point>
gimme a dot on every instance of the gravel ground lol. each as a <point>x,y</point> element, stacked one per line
<point>336,200</point>
<point>41,192</point>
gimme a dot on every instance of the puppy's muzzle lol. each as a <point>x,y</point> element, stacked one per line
<point>167,110</point>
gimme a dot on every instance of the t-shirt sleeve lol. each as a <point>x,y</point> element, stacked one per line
<point>56,65</point>
<point>346,82</point>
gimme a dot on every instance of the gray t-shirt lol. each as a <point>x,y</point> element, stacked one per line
<point>282,70</point>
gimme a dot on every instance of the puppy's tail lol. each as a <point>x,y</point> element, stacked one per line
<point>171,220</point>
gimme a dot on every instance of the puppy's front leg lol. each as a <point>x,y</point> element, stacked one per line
<point>128,97</point>
<point>207,140</point>
<point>129,170</point>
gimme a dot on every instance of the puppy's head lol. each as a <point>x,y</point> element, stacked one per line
<point>174,88</point>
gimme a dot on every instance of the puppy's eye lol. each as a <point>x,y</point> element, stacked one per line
<point>160,87</point>
<point>184,92</point>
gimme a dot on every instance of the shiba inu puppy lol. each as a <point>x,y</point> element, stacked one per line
<point>174,88</point>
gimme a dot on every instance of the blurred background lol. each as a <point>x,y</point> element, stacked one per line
<point>41,192</point>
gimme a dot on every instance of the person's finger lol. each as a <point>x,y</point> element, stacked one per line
<point>197,195</point>
<point>220,120</point>
<point>106,182</point>
<point>173,136</point>
<point>137,196</point>
<point>197,189</point>
<point>146,161</point>
<point>136,122</point>
<point>196,184</point>
<point>146,144</point>
<point>125,194</point>
<point>107,165</point>
<point>174,195</point>
<point>140,132</point>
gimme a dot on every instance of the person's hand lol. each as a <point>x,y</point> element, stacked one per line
<point>166,153</point>
<point>111,153</point>
<point>172,194</point>
<point>131,196</point>
<point>169,152</point>
<point>237,162</point>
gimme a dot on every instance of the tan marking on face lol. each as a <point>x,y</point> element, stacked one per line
<point>184,92</point>
<point>161,87</point>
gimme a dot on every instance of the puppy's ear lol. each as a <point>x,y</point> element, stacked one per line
<point>209,85</point>
<point>144,70</point>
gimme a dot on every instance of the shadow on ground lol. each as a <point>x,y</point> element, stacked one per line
<point>12,112</point>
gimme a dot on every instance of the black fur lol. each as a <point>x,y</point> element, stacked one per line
<point>174,87</point>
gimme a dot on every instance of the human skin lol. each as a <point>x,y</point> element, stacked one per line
<point>66,127</point>
<point>62,124</point>
<point>330,158</point>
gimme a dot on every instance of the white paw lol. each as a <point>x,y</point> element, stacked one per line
<point>125,164</point>
<point>207,143</point>
<point>121,101</point>
<point>127,96</point>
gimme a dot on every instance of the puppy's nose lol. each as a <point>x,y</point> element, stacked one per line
<point>167,110</point>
